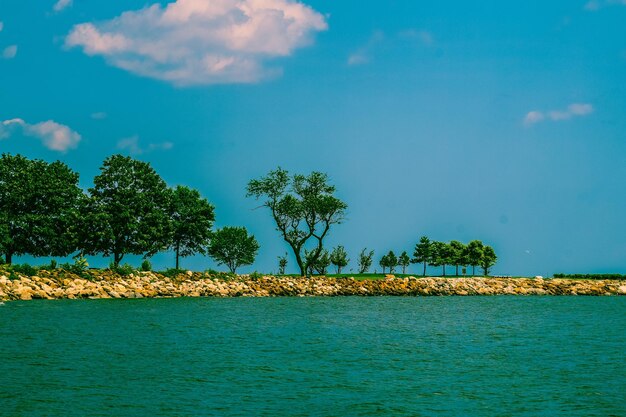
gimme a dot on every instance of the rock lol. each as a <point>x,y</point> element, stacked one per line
<point>621,290</point>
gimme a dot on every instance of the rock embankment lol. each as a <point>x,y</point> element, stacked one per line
<point>49,285</point>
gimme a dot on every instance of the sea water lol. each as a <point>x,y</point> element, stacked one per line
<point>350,356</point>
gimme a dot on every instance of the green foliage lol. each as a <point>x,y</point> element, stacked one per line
<point>365,260</point>
<point>458,254</point>
<point>422,252</point>
<point>282,264</point>
<point>591,276</point>
<point>303,208</point>
<point>231,246</point>
<point>404,260</point>
<point>38,207</point>
<point>127,212</point>
<point>146,265</point>
<point>474,253</point>
<point>172,272</point>
<point>488,259</point>
<point>255,276</point>
<point>79,267</point>
<point>23,269</point>
<point>339,258</point>
<point>191,218</point>
<point>390,260</point>
<point>317,265</point>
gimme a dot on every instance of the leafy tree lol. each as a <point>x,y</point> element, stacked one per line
<point>365,260</point>
<point>439,255</point>
<point>488,259</point>
<point>390,261</point>
<point>231,246</point>
<point>404,261</point>
<point>458,254</point>
<point>422,252</point>
<point>318,264</point>
<point>39,205</point>
<point>339,258</point>
<point>191,219</point>
<point>303,208</point>
<point>282,264</point>
<point>127,212</point>
<point>474,254</point>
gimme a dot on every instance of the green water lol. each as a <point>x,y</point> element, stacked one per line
<point>437,356</point>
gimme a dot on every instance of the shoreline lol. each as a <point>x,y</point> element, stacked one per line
<point>104,284</point>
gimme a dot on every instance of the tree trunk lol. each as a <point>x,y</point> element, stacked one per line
<point>117,258</point>
<point>299,262</point>
<point>473,270</point>
<point>9,257</point>
<point>424,268</point>
<point>177,253</point>
<point>444,270</point>
<point>457,270</point>
<point>403,269</point>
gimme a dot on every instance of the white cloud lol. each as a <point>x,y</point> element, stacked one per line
<point>201,42</point>
<point>99,115</point>
<point>595,5</point>
<point>61,4</point>
<point>131,144</point>
<point>573,110</point>
<point>9,52</point>
<point>53,135</point>
<point>363,54</point>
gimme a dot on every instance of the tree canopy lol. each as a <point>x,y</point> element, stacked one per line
<point>231,246</point>
<point>365,260</point>
<point>339,258</point>
<point>303,208</point>
<point>422,252</point>
<point>127,211</point>
<point>39,204</point>
<point>191,218</point>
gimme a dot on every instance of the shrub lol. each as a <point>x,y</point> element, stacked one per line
<point>172,272</point>
<point>255,276</point>
<point>146,265</point>
<point>24,269</point>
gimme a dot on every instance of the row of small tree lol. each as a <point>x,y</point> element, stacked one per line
<point>129,210</point>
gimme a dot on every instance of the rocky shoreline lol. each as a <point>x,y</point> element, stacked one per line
<point>104,284</point>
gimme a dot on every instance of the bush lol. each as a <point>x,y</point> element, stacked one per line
<point>24,269</point>
<point>124,270</point>
<point>590,276</point>
<point>226,276</point>
<point>255,276</point>
<point>146,265</point>
<point>172,272</point>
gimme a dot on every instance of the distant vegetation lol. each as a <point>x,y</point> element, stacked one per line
<point>131,210</point>
<point>590,276</point>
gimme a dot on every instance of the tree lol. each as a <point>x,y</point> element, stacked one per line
<point>282,264</point>
<point>191,218</point>
<point>422,252</point>
<point>127,211</point>
<point>474,254</point>
<point>390,261</point>
<point>303,208</point>
<point>439,255</point>
<point>488,259</point>
<point>39,205</point>
<point>319,264</point>
<point>458,254</point>
<point>404,261</point>
<point>231,246</point>
<point>339,258</point>
<point>365,260</point>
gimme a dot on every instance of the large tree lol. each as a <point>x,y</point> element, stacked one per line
<point>231,246</point>
<point>474,253</point>
<point>488,259</point>
<point>191,218</point>
<point>303,208</point>
<point>317,264</point>
<point>39,204</point>
<point>439,255</point>
<point>404,260</point>
<point>339,258</point>
<point>457,254</point>
<point>365,260</point>
<point>390,260</point>
<point>127,212</point>
<point>422,252</point>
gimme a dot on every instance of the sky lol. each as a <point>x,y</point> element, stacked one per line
<point>498,121</point>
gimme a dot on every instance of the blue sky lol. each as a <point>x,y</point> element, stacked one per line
<point>498,121</point>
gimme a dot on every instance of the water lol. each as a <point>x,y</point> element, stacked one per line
<point>437,356</point>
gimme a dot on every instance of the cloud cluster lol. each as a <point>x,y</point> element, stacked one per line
<point>53,135</point>
<point>201,42</point>
<point>364,54</point>
<point>131,144</point>
<point>593,5</point>
<point>573,110</point>
<point>61,4</point>
<point>9,52</point>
